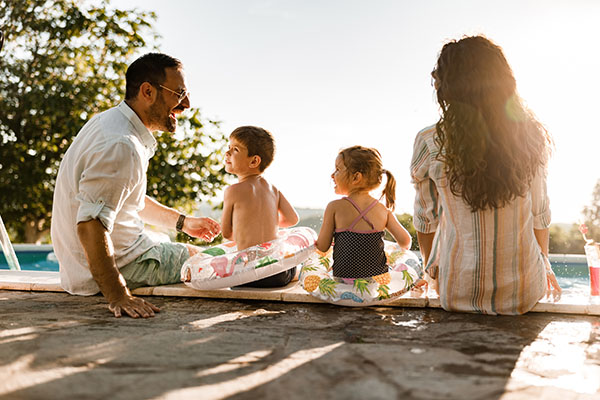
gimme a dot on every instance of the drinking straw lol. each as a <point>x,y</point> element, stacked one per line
<point>584,229</point>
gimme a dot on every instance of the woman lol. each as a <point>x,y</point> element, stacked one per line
<point>481,210</point>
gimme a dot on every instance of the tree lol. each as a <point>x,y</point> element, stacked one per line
<point>565,241</point>
<point>591,214</point>
<point>187,167</point>
<point>64,61</point>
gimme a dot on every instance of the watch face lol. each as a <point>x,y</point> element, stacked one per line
<point>179,225</point>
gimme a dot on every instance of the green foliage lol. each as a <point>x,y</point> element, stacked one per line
<point>187,167</point>
<point>64,61</point>
<point>566,241</point>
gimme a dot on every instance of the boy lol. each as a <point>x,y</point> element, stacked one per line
<point>253,209</point>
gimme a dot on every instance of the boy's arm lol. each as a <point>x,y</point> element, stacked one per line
<point>287,214</point>
<point>227,216</point>
<point>326,233</point>
<point>398,231</point>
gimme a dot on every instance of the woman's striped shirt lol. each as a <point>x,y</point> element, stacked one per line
<point>489,261</point>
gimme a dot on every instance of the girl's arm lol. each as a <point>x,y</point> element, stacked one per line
<point>287,214</point>
<point>326,233</point>
<point>398,231</point>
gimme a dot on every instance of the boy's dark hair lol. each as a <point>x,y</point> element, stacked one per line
<point>258,141</point>
<point>148,68</point>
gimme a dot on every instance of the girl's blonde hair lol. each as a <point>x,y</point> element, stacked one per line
<point>367,161</point>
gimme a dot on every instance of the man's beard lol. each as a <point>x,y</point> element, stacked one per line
<point>161,118</point>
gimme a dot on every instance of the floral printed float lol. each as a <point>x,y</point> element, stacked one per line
<point>224,266</point>
<point>404,271</point>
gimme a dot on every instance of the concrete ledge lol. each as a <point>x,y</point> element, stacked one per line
<point>40,281</point>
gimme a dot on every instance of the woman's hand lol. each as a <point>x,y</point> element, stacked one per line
<point>553,290</point>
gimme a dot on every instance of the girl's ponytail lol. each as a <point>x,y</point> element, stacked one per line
<point>389,191</point>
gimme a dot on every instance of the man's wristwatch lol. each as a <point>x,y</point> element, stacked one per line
<point>179,225</point>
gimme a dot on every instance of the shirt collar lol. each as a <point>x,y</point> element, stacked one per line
<point>142,132</point>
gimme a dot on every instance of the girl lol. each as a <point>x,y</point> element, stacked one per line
<point>481,209</point>
<point>357,222</point>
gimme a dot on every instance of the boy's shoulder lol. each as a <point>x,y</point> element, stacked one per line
<point>246,187</point>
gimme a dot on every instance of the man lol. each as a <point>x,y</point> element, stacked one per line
<point>100,205</point>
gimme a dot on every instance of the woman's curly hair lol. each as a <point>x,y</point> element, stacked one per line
<point>492,146</point>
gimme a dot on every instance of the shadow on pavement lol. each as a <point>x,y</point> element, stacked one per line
<point>54,345</point>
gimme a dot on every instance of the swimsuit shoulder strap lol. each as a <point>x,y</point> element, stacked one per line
<point>361,214</point>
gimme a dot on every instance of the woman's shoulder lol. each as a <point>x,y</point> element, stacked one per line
<point>426,136</point>
<point>427,131</point>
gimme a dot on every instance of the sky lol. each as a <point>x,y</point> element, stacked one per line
<point>323,75</point>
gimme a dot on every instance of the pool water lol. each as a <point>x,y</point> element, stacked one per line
<point>571,270</point>
<point>33,260</point>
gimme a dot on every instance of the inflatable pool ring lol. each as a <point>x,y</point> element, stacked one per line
<point>224,266</point>
<point>316,277</point>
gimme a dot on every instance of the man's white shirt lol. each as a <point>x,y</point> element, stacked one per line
<point>102,176</point>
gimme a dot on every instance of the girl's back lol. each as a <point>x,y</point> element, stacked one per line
<point>358,250</point>
<point>346,213</point>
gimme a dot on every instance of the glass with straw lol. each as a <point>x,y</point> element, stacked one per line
<point>592,253</point>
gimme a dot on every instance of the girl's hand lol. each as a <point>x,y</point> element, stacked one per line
<point>324,253</point>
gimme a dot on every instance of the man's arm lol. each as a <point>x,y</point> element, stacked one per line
<point>157,214</point>
<point>98,248</point>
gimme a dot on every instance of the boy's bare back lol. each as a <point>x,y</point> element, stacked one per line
<point>253,211</point>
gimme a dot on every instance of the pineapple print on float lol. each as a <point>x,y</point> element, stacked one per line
<point>404,271</point>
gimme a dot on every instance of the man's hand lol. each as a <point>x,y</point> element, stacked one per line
<point>201,227</point>
<point>99,252</point>
<point>135,307</point>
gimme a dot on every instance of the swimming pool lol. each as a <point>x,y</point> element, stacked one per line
<point>571,269</point>
<point>33,258</point>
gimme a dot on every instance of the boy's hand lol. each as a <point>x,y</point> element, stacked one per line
<point>201,227</point>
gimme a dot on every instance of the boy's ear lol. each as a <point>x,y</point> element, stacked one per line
<point>255,161</point>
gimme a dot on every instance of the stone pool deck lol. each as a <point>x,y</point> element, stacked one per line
<point>57,346</point>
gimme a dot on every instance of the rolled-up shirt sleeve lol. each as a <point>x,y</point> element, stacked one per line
<point>425,218</point>
<point>107,179</point>
<point>540,202</point>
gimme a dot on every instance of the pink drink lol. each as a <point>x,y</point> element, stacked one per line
<point>594,281</point>
<point>592,254</point>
